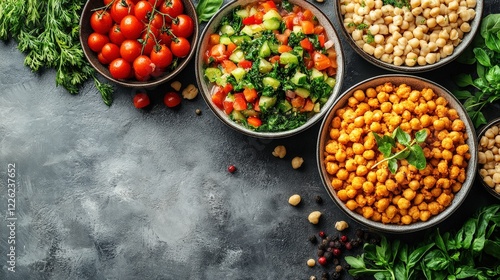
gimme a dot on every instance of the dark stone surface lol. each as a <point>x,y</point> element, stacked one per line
<point>121,193</point>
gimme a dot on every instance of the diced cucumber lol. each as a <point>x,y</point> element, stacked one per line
<point>272,82</point>
<point>271,14</point>
<point>227,30</point>
<point>317,107</point>
<point>297,29</point>
<point>225,40</point>
<point>299,78</point>
<point>213,74</point>
<point>272,24</point>
<point>274,47</point>
<point>299,51</point>
<point>238,73</point>
<point>249,113</point>
<point>302,92</point>
<point>243,13</point>
<point>237,116</point>
<point>266,102</point>
<point>237,56</point>
<point>239,39</point>
<point>288,58</point>
<point>253,11</point>
<point>264,50</point>
<point>252,29</point>
<point>284,106</point>
<point>316,74</point>
<point>265,66</point>
<point>331,81</point>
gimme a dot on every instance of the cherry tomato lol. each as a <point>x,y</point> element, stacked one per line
<point>141,100</point>
<point>321,61</point>
<point>161,56</point>
<point>182,26</point>
<point>157,2</point>
<point>148,42</point>
<point>110,51</point>
<point>120,69</point>
<point>102,59</point>
<point>121,8</point>
<point>96,41</point>
<point>143,66</point>
<point>107,2</point>
<point>172,8</point>
<point>180,47</point>
<point>172,99</point>
<point>130,50</point>
<point>158,21</point>
<point>131,27</point>
<point>101,21</point>
<point>142,10</point>
<point>165,38</point>
<point>115,35</point>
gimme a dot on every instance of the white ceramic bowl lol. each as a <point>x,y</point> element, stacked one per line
<point>206,87</point>
<point>415,83</point>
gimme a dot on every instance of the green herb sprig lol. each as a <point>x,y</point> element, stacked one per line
<point>47,32</point>
<point>479,89</point>
<point>412,151</point>
<point>472,252</point>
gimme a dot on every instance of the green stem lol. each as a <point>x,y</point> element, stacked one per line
<point>391,157</point>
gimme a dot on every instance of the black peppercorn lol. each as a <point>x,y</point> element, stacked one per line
<point>313,239</point>
<point>336,261</point>
<point>328,256</point>
<point>321,253</point>
<point>335,275</point>
<point>324,275</point>
<point>318,199</point>
<point>360,233</point>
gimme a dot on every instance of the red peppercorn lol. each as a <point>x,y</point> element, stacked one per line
<point>322,261</point>
<point>348,245</point>
<point>343,238</point>
<point>322,234</point>
<point>336,252</point>
<point>231,168</point>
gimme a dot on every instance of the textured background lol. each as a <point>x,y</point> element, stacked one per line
<point>121,193</point>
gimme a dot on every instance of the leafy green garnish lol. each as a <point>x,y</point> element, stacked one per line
<point>472,252</point>
<point>397,3</point>
<point>412,151</point>
<point>483,87</point>
<point>47,32</point>
<point>207,8</point>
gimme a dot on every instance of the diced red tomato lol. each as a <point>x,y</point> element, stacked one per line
<point>253,19</point>
<point>218,98</point>
<point>228,106</point>
<point>308,106</point>
<point>250,94</point>
<point>289,21</point>
<point>218,52</point>
<point>269,5</point>
<point>274,59</point>
<point>230,48</point>
<point>256,106</point>
<point>228,65</point>
<point>239,102</point>
<point>307,27</point>
<point>318,29</point>
<point>321,61</point>
<point>245,64</point>
<point>308,62</point>
<point>228,88</point>
<point>307,15</point>
<point>298,102</point>
<point>214,39</point>
<point>282,38</point>
<point>284,48</point>
<point>306,44</point>
<point>321,39</point>
<point>254,121</point>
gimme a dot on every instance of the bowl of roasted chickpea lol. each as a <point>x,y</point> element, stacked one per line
<point>489,157</point>
<point>409,36</point>
<point>397,153</point>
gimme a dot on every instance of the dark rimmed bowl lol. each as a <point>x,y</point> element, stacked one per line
<point>415,83</point>
<point>206,87</point>
<point>480,134</point>
<point>459,49</point>
<point>86,30</point>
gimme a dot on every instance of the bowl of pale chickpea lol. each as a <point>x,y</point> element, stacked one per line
<point>489,157</point>
<point>409,36</point>
<point>397,153</point>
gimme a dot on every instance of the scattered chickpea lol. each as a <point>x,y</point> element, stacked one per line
<point>294,200</point>
<point>341,225</point>
<point>190,92</point>
<point>279,151</point>
<point>176,85</point>
<point>297,162</point>
<point>311,262</point>
<point>314,217</point>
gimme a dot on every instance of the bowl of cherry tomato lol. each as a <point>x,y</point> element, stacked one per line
<point>139,44</point>
<point>269,69</point>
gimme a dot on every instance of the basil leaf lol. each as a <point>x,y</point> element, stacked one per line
<point>400,271</point>
<point>417,157</point>
<point>355,262</point>
<point>439,241</point>
<point>403,137</point>
<point>493,75</point>
<point>482,57</point>
<point>421,135</point>
<point>207,8</point>
<point>403,253</point>
<point>417,254</point>
<point>384,275</point>
<point>464,80</point>
<point>393,165</point>
<point>478,244</point>
<point>469,228</point>
<point>385,149</point>
<point>462,94</point>
<point>466,272</point>
<point>436,260</point>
